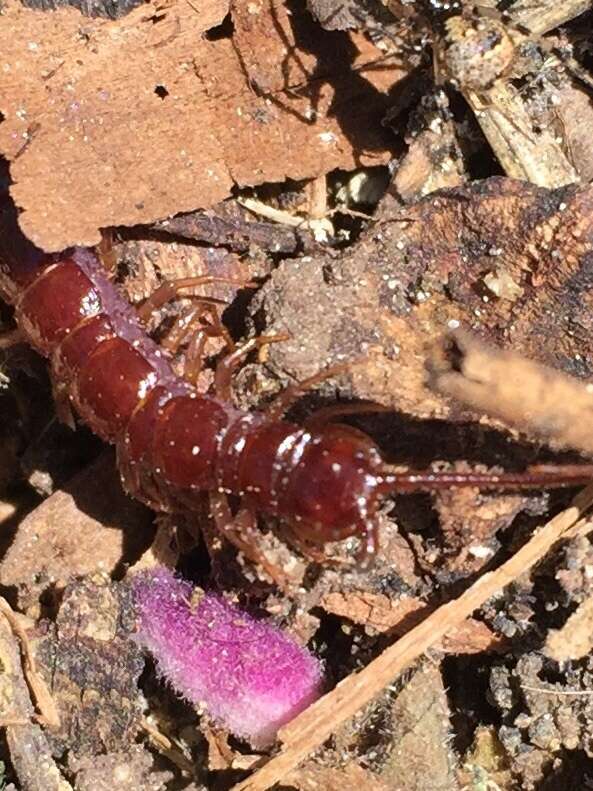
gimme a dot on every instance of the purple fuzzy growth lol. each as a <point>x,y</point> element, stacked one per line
<point>247,674</point>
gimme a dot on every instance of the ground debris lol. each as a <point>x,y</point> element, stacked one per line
<point>503,259</point>
<point>230,225</point>
<point>378,612</point>
<point>29,748</point>
<point>307,732</point>
<point>575,639</point>
<point>127,771</point>
<point>112,9</point>
<point>421,757</point>
<point>266,127</point>
<point>93,668</point>
<point>555,718</point>
<point>74,532</point>
<point>351,777</point>
<point>426,268</point>
<point>67,128</point>
<point>433,161</point>
<point>486,762</point>
<point>541,401</point>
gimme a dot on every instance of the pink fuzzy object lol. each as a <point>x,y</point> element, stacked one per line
<point>249,676</point>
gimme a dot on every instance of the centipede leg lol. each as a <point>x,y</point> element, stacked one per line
<point>194,357</point>
<point>241,531</point>
<point>283,402</point>
<point>328,414</point>
<point>106,252</point>
<point>226,367</point>
<point>194,330</point>
<point>309,551</point>
<point>183,329</point>
<point>291,394</point>
<point>170,289</point>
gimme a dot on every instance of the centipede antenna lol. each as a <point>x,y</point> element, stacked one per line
<point>536,477</point>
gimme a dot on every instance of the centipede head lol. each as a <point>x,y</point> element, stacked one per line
<point>334,491</point>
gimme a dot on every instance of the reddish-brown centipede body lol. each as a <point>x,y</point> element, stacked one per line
<point>174,443</point>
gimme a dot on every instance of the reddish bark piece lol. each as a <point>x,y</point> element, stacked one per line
<point>399,616</point>
<point>145,117</point>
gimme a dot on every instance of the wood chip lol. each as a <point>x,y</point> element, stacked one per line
<point>547,14</point>
<point>524,154</point>
<point>45,703</point>
<point>575,639</point>
<point>30,752</point>
<point>145,117</point>
<point>398,616</point>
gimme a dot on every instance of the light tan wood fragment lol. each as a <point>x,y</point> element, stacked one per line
<point>546,15</point>
<point>523,153</point>
<point>45,703</point>
<point>575,639</point>
<point>30,752</point>
<point>528,396</point>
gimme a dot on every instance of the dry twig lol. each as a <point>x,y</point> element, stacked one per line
<point>29,750</point>
<point>526,395</point>
<point>543,16</point>
<point>45,703</point>
<point>523,154</point>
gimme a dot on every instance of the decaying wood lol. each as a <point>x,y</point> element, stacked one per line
<point>545,15</point>
<point>538,157</point>
<point>575,113</point>
<point>535,399</point>
<point>49,715</point>
<point>502,258</point>
<point>75,139</point>
<point>310,729</point>
<point>433,161</point>
<point>29,748</point>
<point>231,226</point>
<point>93,667</point>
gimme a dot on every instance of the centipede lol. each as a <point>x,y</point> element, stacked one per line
<point>175,444</point>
